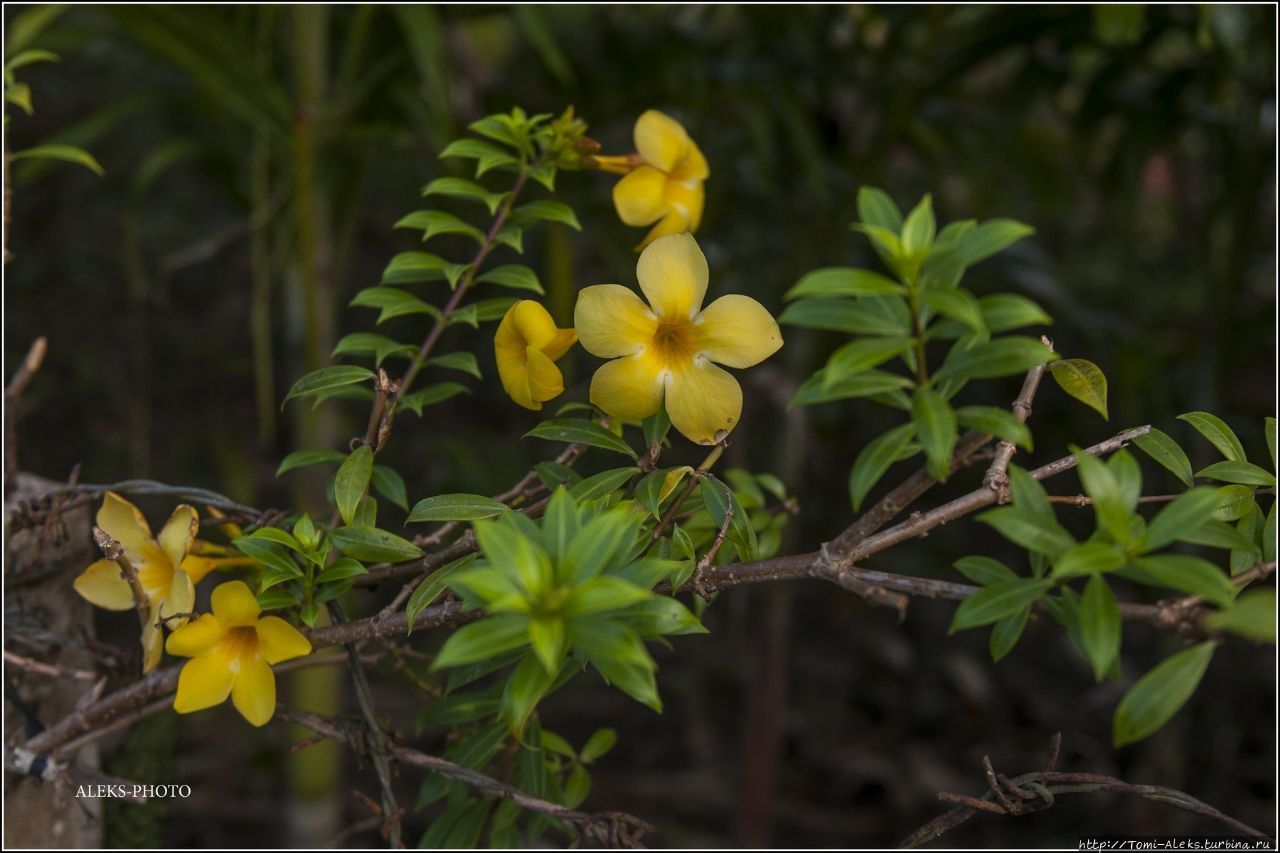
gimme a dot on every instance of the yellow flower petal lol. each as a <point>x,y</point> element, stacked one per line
<point>514,374</point>
<point>612,321</point>
<point>564,339</point>
<point>180,599</point>
<point>178,533</point>
<point>254,692</point>
<point>687,199</point>
<point>279,641</point>
<point>126,524</point>
<point>544,378</point>
<point>660,139</point>
<point>532,323</point>
<point>152,641</point>
<point>737,331</point>
<point>703,402</point>
<point>196,637</point>
<point>675,222</point>
<point>204,682</point>
<point>234,605</point>
<point>629,388</point>
<point>197,567</point>
<point>693,167</point>
<point>640,197</point>
<point>673,275</point>
<point>102,585</point>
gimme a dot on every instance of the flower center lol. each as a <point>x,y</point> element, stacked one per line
<point>674,341</point>
<point>239,644</point>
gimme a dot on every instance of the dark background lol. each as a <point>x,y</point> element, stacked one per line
<point>264,151</point>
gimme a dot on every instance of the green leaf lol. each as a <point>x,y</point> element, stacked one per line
<point>486,154</point>
<point>1271,439</point>
<point>603,594</point>
<point>663,616</point>
<point>1109,499</point>
<point>1160,694</point>
<point>816,389</point>
<point>526,686</point>
<point>999,357</point>
<point>1245,473</point>
<point>1082,380</point>
<point>368,343</point>
<point>278,536</point>
<point>484,639</point>
<point>1188,574</point>
<point>341,570</point>
<point>1088,558</point>
<point>1028,531</point>
<point>874,460</point>
<point>414,267</point>
<point>304,458</point>
<point>1100,625</point>
<point>516,276</point>
<point>431,588</point>
<point>656,426</point>
<point>619,655</point>
<point>372,545</point>
<point>984,571</point>
<point>464,189</point>
<point>1185,513</point>
<point>989,238</point>
<point>270,555</point>
<point>861,355</point>
<point>352,480</point>
<point>1004,311</point>
<point>996,601</point>
<point>843,281</point>
<point>431,395</point>
<point>936,428</point>
<point>462,708</point>
<point>1252,615</point>
<point>878,315</point>
<point>998,422</point>
<point>1217,534</point>
<point>326,379</point>
<point>388,483</point>
<point>598,546</point>
<point>1218,434</point>
<point>599,485</point>
<point>957,304</point>
<point>919,228</point>
<point>580,431</point>
<point>1233,502</point>
<point>1006,633</point>
<point>435,222</point>
<point>545,210</point>
<point>455,507</point>
<point>875,207</point>
<point>1164,450</point>
<point>716,497</point>
<point>67,153</point>
<point>547,637</point>
<point>560,523</point>
<point>462,361</point>
<point>392,302</point>
<point>598,745</point>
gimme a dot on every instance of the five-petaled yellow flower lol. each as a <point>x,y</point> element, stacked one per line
<point>167,578</point>
<point>232,650</point>
<point>663,184</point>
<point>527,345</point>
<point>666,348</point>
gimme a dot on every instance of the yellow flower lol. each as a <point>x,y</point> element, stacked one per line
<point>231,651</point>
<point>527,345</point>
<point>663,184</point>
<point>666,348</point>
<point>160,563</point>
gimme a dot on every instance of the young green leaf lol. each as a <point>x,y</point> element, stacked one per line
<point>1000,423</point>
<point>996,358</point>
<point>1084,381</point>
<point>936,428</point>
<point>1163,449</point>
<point>352,480</point>
<point>1100,625</point>
<point>919,228</point>
<point>875,207</point>
<point>516,276</point>
<point>304,458</point>
<point>484,639</point>
<point>1006,633</point>
<point>1160,694</point>
<point>327,378</point>
<point>996,601</point>
<point>843,281</point>
<point>1217,432</point>
<point>874,460</point>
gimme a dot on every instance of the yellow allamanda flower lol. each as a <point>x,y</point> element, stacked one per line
<point>232,650</point>
<point>527,345</point>
<point>167,578</point>
<point>666,349</point>
<point>663,181</point>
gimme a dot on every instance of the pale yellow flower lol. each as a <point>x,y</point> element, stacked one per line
<point>663,181</point>
<point>670,347</point>
<point>526,346</point>
<point>232,650</point>
<point>166,579</point>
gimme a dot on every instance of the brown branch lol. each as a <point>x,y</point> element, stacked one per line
<point>1036,791</point>
<point>21,379</point>
<point>49,669</point>
<point>674,509</point>
<point>997,476</point>
<point>611,829</point>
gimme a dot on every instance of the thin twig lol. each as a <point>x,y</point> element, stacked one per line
<point>22,378</point>
<point>997,476</point>
<point>112,550</point>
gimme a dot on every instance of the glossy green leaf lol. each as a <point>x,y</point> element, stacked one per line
<point>1164,450</point>
<point>455,507</point>
<point>516,276</point>
<point>372,545</point>
<point>580,431</point>
<point>874,460</point>
<point>352,480</point>
<point>984,571</point>
<point>1217,432</point>
<point>996,601</point>
<point>843,281</point>
<point>1245,473</point>
<point>1000,423</point>
<point>1185,513</point>
<point>996,358</point>
<point>1100,625</point>
<point>305,458</point>
<point>936,429</point>
<point>1160,694</point>
<point>327,378</point>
